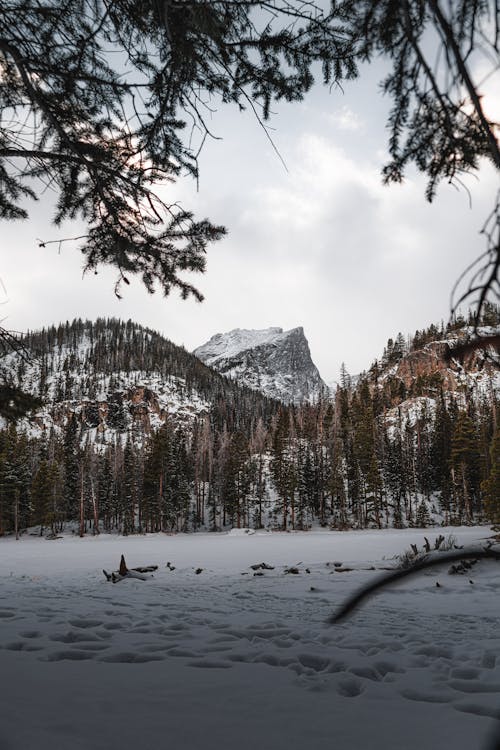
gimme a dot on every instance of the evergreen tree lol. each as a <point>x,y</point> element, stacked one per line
<point>237,481</point>
<point>71,466</point>
<point>440,454</point>
<point>422,516</point>
<point>283,466</point>
<point>154,509</point>
<point>464,466</point>
<point>41,490</point>
<point>491,486</point>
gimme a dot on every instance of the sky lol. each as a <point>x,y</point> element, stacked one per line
<point>322,244</point>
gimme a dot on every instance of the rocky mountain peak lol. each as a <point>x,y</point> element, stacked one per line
<point>278,363</point>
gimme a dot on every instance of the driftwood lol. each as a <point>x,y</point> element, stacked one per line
<point>123,572</point>
<point>262,566</point>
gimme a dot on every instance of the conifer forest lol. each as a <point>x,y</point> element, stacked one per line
<point>103,454</point>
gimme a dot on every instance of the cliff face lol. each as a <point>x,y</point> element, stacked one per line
<point>275,362</point>
<point>425,363</point>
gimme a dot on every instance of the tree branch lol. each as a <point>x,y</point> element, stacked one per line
<point>387,579</point>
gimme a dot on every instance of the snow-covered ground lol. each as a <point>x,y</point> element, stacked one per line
<point>225,659</point>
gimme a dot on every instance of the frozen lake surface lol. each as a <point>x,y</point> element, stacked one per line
<point>224,658</point>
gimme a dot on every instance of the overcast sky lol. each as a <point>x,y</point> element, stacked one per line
<point>323,245</point>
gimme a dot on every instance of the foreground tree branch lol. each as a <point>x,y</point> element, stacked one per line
<point>388,579</point>
<point>108,137</point>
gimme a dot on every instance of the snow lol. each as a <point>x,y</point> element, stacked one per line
<point>227,345</point>
<point>224,658</point>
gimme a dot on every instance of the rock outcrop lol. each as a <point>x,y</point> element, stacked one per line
<point>275,362</point>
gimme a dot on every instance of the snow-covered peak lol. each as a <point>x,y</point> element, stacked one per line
<point>232,343</point>
<point>275,362</point>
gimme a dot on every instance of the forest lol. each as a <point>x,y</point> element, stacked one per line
<point>376,454</point>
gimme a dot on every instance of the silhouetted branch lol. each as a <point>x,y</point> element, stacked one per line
<point>461,350</point>
<point>387,579</point>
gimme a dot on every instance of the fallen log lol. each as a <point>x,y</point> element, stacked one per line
<point>123,572</point>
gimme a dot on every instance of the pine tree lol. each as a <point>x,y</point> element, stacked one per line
<point>41,490</point>
<point>257,447</point>
<point>491,486</point>
<point>422,516</point>
<point>237,480</point>
<point>129,489</point>
<point>72,453</point>
<point>465,461</point>
<point>284,466</point>
<point>440,454</point>
<point>155,512</point>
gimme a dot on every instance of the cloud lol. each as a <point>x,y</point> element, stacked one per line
<point>324,245</point>
<point>346,119</point>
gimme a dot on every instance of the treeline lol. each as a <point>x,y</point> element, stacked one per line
<point>381,453</point>
<point>347,464</point>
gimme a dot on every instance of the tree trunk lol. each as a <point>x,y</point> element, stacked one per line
<point>82,514</point>
<point>16,513</point>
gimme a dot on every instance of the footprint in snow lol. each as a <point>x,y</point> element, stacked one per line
<point>128,657</point>
<point>22,646</point>
<point>426,696</point>
<point>80,623</point>
<point>478,710</point>
<point>465,673</point>
<point>489,660</point>
<point>367,673</point>
<point>474,686</point>
<point>349,687</point>
<point>73,636</point>
<point>209,664</point>
<point>30,634</point>
<point>113,626</point>
<point>182,652</point>
<point>314,662</point>
<point>67,656</point>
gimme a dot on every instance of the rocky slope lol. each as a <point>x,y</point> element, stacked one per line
<point>275,362</point>
<point>412,380</point>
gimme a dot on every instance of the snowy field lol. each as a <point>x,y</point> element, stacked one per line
<point>226,659</point>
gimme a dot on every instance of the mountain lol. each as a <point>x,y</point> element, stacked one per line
<point>275,362</point>
<point>115,376</point>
